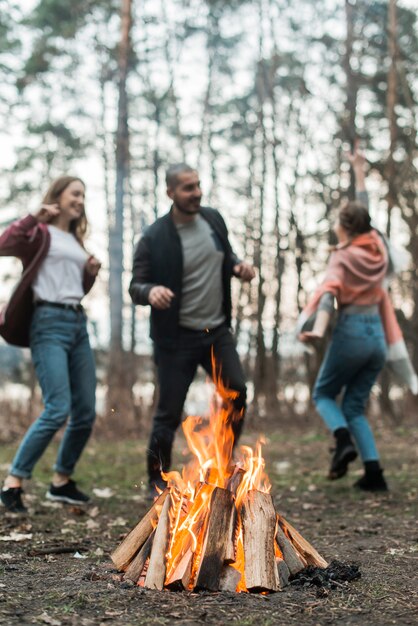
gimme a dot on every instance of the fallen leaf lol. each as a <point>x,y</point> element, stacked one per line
<point>106,492</point>
<point>14,536</point>
<point>281,467</point>
<point>51,505</point>
<point>119,521</point>
<point>91,524</point>
<point>47,619</point>
<point>94,512</point>
<point>99,552</point>
<point>77,555</point>
<point>76,510</point>
<point>5,556</point>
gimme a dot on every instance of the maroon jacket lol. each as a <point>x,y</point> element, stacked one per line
<point>29,241</point>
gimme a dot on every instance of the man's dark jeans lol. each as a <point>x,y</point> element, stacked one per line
<point>176,370</point>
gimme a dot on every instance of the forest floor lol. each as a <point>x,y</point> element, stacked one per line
<point>80,587</point>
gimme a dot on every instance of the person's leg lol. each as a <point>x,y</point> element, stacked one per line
<point>175,370</point>
<point>82,372</point>
<point>354,403</point>
<point>332,377</point>
<point>51,367</point>
<point>229,370</point>
<point>49,354</point>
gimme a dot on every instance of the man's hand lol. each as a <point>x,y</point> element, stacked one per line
<point>93,266</point>
<point>244,271</point>
<point>160,297</point>
<point>47,212</point>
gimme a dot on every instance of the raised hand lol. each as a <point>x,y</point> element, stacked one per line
<point>357,158</point>
<point>160,297</point>
<point>47,212</point>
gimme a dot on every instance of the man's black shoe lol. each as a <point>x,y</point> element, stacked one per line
<point>344,454</point>
<point>372,481</point>
<point>155,487</point>
<point>12,500</point>
<point>67,493</point>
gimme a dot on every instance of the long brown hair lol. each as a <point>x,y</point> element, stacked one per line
<point>355,218</point>
<point>78,226</point>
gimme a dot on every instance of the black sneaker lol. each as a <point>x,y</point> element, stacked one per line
<point>67,493</point>
<point>344,454</point>
<point>153,492</point>
<point>12,500</point>
<point>372,481</point>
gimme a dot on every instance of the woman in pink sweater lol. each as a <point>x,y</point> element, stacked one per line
<point>366,335</point>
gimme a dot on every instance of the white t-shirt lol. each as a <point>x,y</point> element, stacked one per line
<point>60,277</point>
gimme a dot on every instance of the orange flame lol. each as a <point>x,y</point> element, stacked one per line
<point>211,442</point>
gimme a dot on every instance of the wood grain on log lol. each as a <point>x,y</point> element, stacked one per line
<point>135,567</point>
<point>283,572</point>
<point>258,519</point>
<point>290,554</point>
<point>156,569</point>
<point>216,539</point>
<point>134,541</point>
<point>303,547</point>
<point>180,578</point>
<point>230,578</point>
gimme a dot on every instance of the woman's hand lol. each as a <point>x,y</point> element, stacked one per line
<point>310,336</point>
<point>358,162</point>
<point>93,266</point>
<point>47,212</point>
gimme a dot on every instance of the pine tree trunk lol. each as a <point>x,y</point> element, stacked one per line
<point>349,122</point>
<point>121,369</point>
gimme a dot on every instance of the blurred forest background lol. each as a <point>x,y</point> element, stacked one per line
<point>264,97</point>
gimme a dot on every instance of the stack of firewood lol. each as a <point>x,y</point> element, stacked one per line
<point>244,547</point>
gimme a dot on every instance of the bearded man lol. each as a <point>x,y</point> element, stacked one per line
<point>183,266</point>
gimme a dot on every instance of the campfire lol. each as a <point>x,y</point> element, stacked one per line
<point>215,527</point>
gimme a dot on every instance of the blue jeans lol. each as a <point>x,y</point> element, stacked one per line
<point>65,368</point>
<point>354,358</point>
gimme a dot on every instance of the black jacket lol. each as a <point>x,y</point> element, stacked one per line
<point>158,260</point>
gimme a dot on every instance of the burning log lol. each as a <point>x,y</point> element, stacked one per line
<point>180,578</point>
<point>215,527</point>
<point>134,541</point>
<point>305,549</point>
<point>156,569</point>
<point>136,566</point>
<point>230,578</point>
<point>283,572</point>
<point>290,555</point>
<point>183,538</point>
<point>217,540</point>
<point>258,518</point>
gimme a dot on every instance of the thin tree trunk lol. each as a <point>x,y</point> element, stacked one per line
<point>349,122</point>
<point>260,361</point>
<point>121,369</point>
<point>122,174</point>
<point>390,167</point>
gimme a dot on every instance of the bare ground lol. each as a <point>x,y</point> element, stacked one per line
<point>380,533</point>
